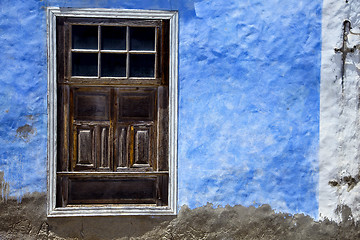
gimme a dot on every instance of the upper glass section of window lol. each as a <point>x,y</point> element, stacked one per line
<point>113,51</point>
<point>113,38</point>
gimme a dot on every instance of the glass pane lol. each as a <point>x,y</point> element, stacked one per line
<point>142,65</point>
<point>84,37</point>
<point>113,65</point>
<point>84,64</point>
<point>113,38</point>
<point>142,38</point>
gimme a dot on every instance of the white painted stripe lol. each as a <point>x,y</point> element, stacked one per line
<point>339,114</point>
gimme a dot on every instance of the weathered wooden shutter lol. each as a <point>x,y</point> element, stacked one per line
<point>113,114</point>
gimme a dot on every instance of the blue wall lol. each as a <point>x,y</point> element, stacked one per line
<point>249,75</point>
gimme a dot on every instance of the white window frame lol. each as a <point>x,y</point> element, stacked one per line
<point>52,14</point>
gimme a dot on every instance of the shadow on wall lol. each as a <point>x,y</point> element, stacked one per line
<point>27,220</point>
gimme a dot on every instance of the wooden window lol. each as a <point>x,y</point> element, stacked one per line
<point>114,121</point>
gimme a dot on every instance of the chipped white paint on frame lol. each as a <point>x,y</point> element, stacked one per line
<point>339,113</point>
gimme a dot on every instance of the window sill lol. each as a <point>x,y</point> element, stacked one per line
<point>106,210</point>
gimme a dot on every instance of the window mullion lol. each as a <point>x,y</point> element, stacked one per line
<point>127,52</point>
<point>156,52</point>
<point>99,52</point>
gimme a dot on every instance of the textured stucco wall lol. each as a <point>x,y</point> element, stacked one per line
<point>249,75</point>
<point>339,124</point>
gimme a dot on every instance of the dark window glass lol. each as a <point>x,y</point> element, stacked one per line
<point>113,38</point>
<point>142,38</point>
<point>84,37</point>
<point>113,65</point>
<point>84,64</point>
<point>142,65</point>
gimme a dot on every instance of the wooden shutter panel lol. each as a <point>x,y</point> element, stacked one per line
<point>91,133</point>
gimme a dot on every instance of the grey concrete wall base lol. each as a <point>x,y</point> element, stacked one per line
<point>27,220</point>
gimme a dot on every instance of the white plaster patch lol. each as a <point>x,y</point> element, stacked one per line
<point>339,113</point>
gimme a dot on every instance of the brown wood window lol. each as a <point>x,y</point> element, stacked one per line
<point>113,111</point>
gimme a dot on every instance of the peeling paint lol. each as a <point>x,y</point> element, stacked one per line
<point>348,181</point>
<point>345,212</point>
<point>4,188</point>
<point>24,132</point>
<point>30,117</point>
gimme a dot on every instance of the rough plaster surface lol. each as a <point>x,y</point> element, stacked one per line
<point>249,75</point>
<point>339,114</point>
<point>23,96</point>
<point>249,104</point>
<point>27,221</point>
